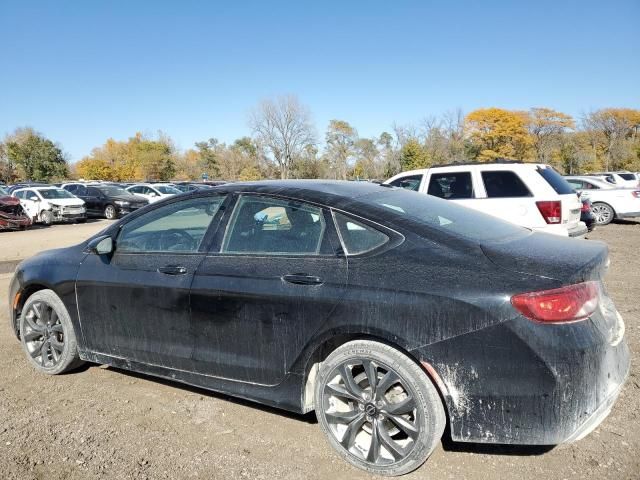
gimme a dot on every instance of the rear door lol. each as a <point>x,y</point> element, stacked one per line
<point>32,207</point>
<point>505,195</point>
<point>272,282</point>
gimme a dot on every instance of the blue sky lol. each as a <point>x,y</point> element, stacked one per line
<point>83,71</point>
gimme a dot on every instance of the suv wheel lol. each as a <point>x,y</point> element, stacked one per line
<point>378,408</point>
<point>604,213</point>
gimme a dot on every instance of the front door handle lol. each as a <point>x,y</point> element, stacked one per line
<point>173,270</point>
<point>302,279</point>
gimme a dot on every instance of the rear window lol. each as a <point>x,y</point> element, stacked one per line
<point>505,184</point>
<point>557,182</point>
<point>444,215</point>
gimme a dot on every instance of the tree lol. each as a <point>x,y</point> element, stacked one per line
<point>34,156</point>
<point>209,156</point>
<point>546,127</point>
<point>498,133</point>
<point>614,134</point>
<point>94,169</point>
<point>284,127</point>
<point>340,139</point>
<point>413,155</point>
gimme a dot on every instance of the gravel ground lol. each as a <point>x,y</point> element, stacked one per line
<point>105,423</point>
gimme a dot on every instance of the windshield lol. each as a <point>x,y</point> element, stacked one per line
<point>445,215</point>
<point>4,191</point>
<point>54,193</point>
<point>167,190</point>
<point>114,191</point>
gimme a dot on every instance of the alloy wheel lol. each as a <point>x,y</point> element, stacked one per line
<point>44,334</point>
<point>371,412</point>
<point>602,213</point>
<point>110,212</point>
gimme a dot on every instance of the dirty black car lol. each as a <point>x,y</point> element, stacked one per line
<point>388,312</point>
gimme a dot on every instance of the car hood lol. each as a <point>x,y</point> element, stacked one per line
<point>568,260</point>
<point>8,201</point>
<point>66,202</point>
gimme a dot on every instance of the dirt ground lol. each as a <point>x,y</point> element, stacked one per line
<point>106,423</point>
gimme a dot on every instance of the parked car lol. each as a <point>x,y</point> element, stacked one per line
<point>153,191</point>
<point>618,179</point>
<point>108,201</point>
<point>607,201</point>
<point>12,215</point>
<point>12,188</point>
<point>51,204</point>
<point>586,215</point>
<point>527,194</point>
<point>190,186</point>
<point>385,311</point>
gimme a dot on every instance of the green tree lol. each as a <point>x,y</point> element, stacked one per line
<point>340,138</point>
<point>413,155</point>
<point>35,156</point>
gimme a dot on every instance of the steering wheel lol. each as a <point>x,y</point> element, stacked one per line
<point>173,237</point>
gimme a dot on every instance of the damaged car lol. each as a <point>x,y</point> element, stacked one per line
<point>51,204</point>
<point>389,313</point>
<point>12,215</point>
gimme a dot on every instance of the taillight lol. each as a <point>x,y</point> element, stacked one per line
<point>636,193</point>
<point>560,305</point>
<point>551,211</point>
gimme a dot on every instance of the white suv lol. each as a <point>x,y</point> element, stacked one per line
<point>532,195</point>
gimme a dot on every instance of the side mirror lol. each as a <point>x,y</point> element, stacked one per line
<point>102,245</point>
<point>34,199</point>
<point>152,194</point>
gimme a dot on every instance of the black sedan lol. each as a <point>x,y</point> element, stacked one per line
<point>108,201</point>
<point>386,311</point>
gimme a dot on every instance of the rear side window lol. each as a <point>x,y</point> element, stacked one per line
<point>94,192</point>
<point>628,176</point>
<point>557,182</point>
<point>358,237</point>
<point>451,185</point>
<point>506,184</point>
<point>408,183</point>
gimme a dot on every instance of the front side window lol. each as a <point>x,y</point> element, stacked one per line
<point>167,190</point>
<point>178,227</point>
<point>137,190</point>
<point>357,237</point>
<point>411,182</point>
<point>504,184</point>
<point>263,225</point>
<point>451,186</point>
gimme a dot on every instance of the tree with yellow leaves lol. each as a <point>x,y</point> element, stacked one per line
<point>546,127</point>
<point>498,133</point>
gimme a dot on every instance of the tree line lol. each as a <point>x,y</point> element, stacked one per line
<point>283,143</point>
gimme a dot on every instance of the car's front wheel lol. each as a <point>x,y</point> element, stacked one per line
<point>46,217</point>
<point>378,408</point>
<point>47,335</point>
<point>110,212</point>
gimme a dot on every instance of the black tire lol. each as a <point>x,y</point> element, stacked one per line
<point>603,213</point>
<point>401,434</point>
<point>47,335</point>
<point>81,220</point>
<point>46,217</point>
<point>110,212</point>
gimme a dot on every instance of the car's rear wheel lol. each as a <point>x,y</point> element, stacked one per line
<point>603,213</point>
<point>47,335</point>
<point>378,408</point>
<point>110,212</point>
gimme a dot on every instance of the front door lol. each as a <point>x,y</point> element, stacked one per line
<point>135,305</point>
<point>276,278</point>
<point>30,202</point>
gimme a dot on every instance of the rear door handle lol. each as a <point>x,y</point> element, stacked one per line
<point>173,270</point>
<point>302,279</point>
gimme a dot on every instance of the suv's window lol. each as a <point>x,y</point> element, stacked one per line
<point>411,182</point>
<point>504,183</point>
<point>274,226</point>
<point>451,185</point>
<point>589,186</point>
<point>94,192</point>
<point>628,176</point>
<point>81,190</point>
<point>358,237</point>
<point>29,194</point>
<point>178,227</point>
<point>557,181</point>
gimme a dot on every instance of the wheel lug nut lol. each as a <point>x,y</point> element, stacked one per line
<point>380,417</point>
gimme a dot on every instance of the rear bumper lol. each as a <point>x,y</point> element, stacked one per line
<point>580,230</point>
<point>528,384</point>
